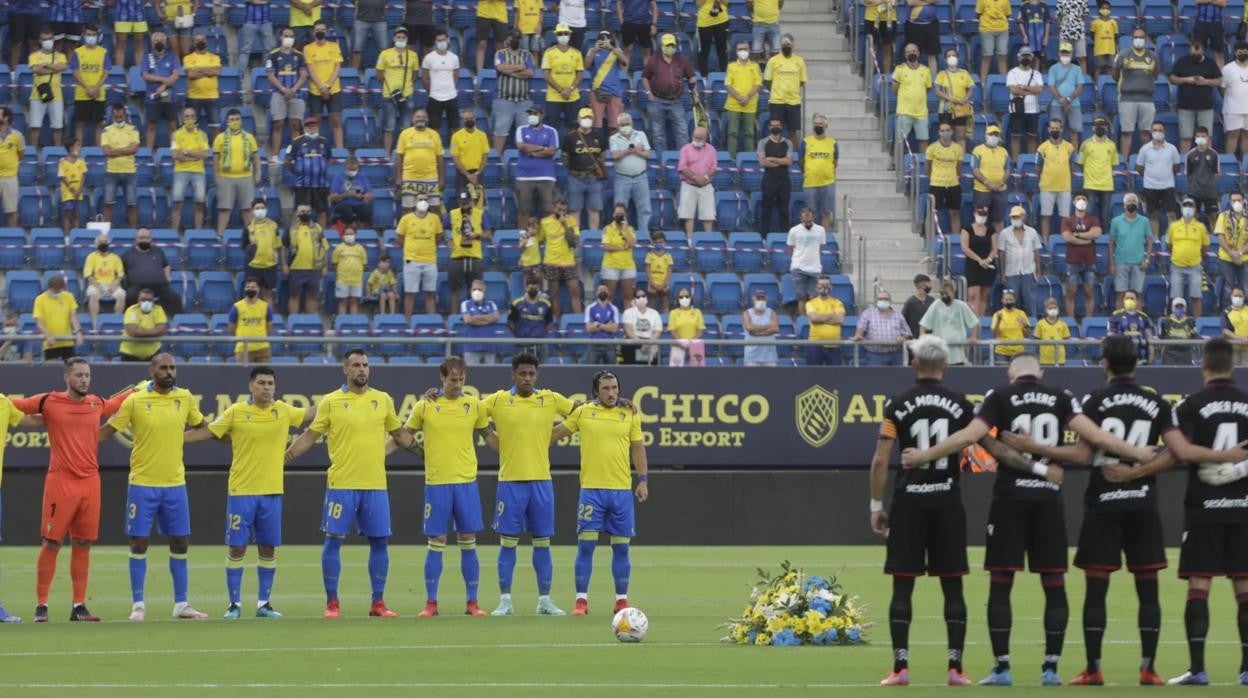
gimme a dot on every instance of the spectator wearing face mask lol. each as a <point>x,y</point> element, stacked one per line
<point>203,83</point>
<point>953,321</point>
<point>1052,327</point>
<point>120,142</point>
<point>1189,241</point>
<point>805,249</point>
<point>826,314</point>
<point>351,196</point>
<point>1177,325</point>
<point>1099,157</point>
<point>1009,323</point>
<point>760,322</point>
<point>911,81</point>
<point>1158,162</point>
<point>561,234</point>
<point>1130,321</point>
<point>12,349</point>
<point>1026,82</point>
<point>1019,266</point>
<point>979,244</point>
<point>397,67</point>
<point>917,304</point>
<point>659,263</point>
<point>1136,68</point>
<point>1130,248</point>
<point>642,326</point>
<point>308,261</point>
<point>479,315</point>
<point>308,157</point>
<point>147,267</point>
<point>583,156</point>
<point>417,237</point>
<point>562,67</point>
<point>469,149</point>
<point>602,321</point>
<point>1065,83</point>
<point>990,166</point>
<point>1053,169</point>
<point>1235,101</point>
<point>190,150</point>
<point>697,167</point>
<point>885,327</point>
<point>145,323</point>
<point>89,64</point>
<point>786,76</point>
<point>686,325</point>
<point>56,317</point>
<point>468,226</point>
<point>531,317</point>
<point>1080,233</point>
<point>1197,77</point>
<point>664,79</point>
<point>1203,170</point>
<point>103,272</point>
<point>382,286</point>
<point>775,156</point>
<point>251,317</point>
<point>349,258</point>
<point>439,69</point>
<point>263,247</point>
<point>1232,231</point>
<point>743,82</point>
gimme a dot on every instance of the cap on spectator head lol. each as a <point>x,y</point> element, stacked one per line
<point>1241,44</point>
<point>312,119</point>
<point>465,196</point>
<point>1100,121</point>
<point>993,128</point>
<point>1018,211</point>
<point>400,30</point>
<point>1025,51</point>
<point>604,34</point>
<point>669,40</point>
<point>760,293</point>
<point>983,209</point>
<point>562,28</point>
<point>534,109</point>
<point>1189,200</point>
<point>1178,301</point>
<point>584,112</point>
<point>1065,47</point>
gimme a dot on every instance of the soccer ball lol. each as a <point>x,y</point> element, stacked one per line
<point>630,625</point>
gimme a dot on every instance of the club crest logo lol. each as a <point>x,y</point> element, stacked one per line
<point>816,415</point>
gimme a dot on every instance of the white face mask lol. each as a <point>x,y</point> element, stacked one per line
<point>980,220</point>
<point>288,42</point>
<point>563,39</point>
<point>1201,140</point>
<point>441,45</point>
<point>640,303</point>
<point>422,206</point>
<point>1016,222</point>
<point>1237,301</point>
<point>883,305</point>
<point>1081,205</point>
<point>685,301</point>
<point>400,44</point>
<point>478,295</point>
<point>1237,206</point>
<point>743,55</point>
<point>1065,60</point>
<point>46,45</point>
<point>760,305</point>
<point>91,40</point>
<point>992,141</point>
<point>1159,136</point>
<point>534,119</point>
<point>351,173</point>
<point>10,329</point>
<point>587,123</point>
<point>626,131</point>
<point>260,213</point>
<point>349,239</point>
<point>1051,312</point>
<point>145,306</point>
<point>1137,42</point>
<point>1188,211</point>
<point>952,62</point>
<point>698,143</point>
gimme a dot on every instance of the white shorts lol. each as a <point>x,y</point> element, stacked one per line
<point>342,290</point>
<point>1055,199</point>
<point>613,274</point>
<point>55,111</point>
<point>420,276</point>
<point>696,200</point>
<point>8,194</point>
<point>1234,122</point>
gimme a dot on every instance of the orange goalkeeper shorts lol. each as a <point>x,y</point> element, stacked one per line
<point>70,505</point>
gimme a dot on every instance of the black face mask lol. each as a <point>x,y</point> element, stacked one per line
<point>144,245</point>
<point>912,57</point>
<point>619,219</point>
<point>319,35</point>
<point>1009,305</point>
<point>786,50</point>
<point>819,130</point>
<point>947,300</point>
<point>1198,57</point>
<point>1055,134</point>
<point>602,296</point>
<point>102,247</point>
<point>1099,130</point>
<point>513,44</point>
<point>532,293</point>
<point>1241,55</point>
<point>251,293</point>
<point>1132,208</point>
<point>305,216</point>
<point>201,45</point>
<point>1026,62</point>
<point>470,124</point>
<point>927,289</point>
<point>158,47</point>
<point>775,130</point>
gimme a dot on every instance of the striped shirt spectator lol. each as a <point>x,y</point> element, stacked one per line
<point>286,66</point>
<point>257,13</point>
<point>510,87</point>
<point>130,11</point>
<point>311,157</point>
<point>66,11</point>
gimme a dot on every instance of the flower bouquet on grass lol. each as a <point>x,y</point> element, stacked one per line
<point>790,609</point>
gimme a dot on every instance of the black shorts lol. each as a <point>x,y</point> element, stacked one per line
<point>925,539</point>
<point>1023,125</point>
<point>266,277</point>
<point>639,34</point>
<point>24,28</point>
<point>789,114</point>
<point>463,271</point>
<point>319,104</point>
<point>1106,535</point>
<point>947,198</point>
<point>88,111</point>
<point>925,36</point>
<point>486,27</point>
<point>1158,201</point>
<point>949,118</point>
<point>315,197</point>
<point>1034,528</point>
<point>1211,34</point>
<point>160,111</point>
<point>66,30</point>
<point>422,34</point>
<point>59,353</point>
<point>883,34</point>
<point>1214,550</point>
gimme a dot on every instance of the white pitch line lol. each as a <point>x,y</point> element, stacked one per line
<point>632,686</point>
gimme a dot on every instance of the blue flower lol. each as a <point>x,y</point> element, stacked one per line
<point>825,638</point>
<point>749,637</point>
<point>816,582</point>
<point>785,638</point>
<point>821,606</point>
<point>854,635</point>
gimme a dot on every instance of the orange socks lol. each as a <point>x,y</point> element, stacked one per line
<point>46,570</point>
<point>79,570</point>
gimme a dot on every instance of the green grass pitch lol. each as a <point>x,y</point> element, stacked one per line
<point>686,592</point>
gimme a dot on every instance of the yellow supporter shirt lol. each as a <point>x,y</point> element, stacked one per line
<point>659,268</point>
<point>492,9</point>
<point>945,160</point>
<point>477,220</point>
<point>379,280</point>
<point>825,305</point>
<point>258,437</point>
<point>207,87</point>
<point>299,18</point>
<point>566,67</point>
<point>420,237</point>
<point>143,348</point>
<point>307,247</point>
<point>91,66</point>
<point>234,151</point>
<point>704,14</point>
<point>56,313</point>
<point>321,62</point>
<point>355,425</point>
<point>72,175</point>
<point>818,161</point>
<point>251,319</point>
<point>10,417</point>
<point>956,84</point>
<point>106,268</point>
<point>399,70</point>
<point>53,80</point>
<point>994,15</point>
<point>471,147</point>
<point>1056,158</point>
<point>450,438</point>
<point>176,8</point>
<point>1237,319</point>
<point>1186,241</point>
<point>558,253</point>
<point>120,136</point>
<point>528,16</point>
<point>524,425</point>
<point>349,264</point>
<point>912,87</point>
<point>991,163</point>
<point>1104,37</point>
<point>685,323</point>
<point>766,11</point>
<point>156,421</point>
<point>192,139</point>
<point>1099,158</point>
<point>531,248</point>
<point>421,151</point>
<point>787,75</point>
<point>1052,354</point>
<point>607,435</point>
<point>12,145</point>
<point>1009,324</point>
<point>1235,228</point>
<point>743,79</point>
<point>264,237</point>
<point>613,234</point>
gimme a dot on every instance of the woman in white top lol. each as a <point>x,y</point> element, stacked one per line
<point>1019,248</point>
<point>761,322</point>
<point>642,326</point>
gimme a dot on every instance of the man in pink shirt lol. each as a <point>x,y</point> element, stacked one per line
<point>697,169</point>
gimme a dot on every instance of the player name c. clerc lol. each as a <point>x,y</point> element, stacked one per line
<point>1033,399</point>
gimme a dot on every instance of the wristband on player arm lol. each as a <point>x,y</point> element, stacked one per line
<point>643,478</point>
<point>877,505</point>
<point>1040,469</point>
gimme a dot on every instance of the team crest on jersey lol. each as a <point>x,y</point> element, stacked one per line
<point>466,408</point>
<point>177,404</point>
<point>273,412</point>
<point>374,405</point>
<point>816,415</point>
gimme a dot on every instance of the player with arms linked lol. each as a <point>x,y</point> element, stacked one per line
<point>1215,536</point>
<point>1026,518</point>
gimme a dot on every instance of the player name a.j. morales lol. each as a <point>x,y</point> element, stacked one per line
<point>1144,402</point>
<point>930,487</point>
<point>1224,407</point>
<point>1116,495</point>
<point>1034,484</point>
<point>1033,399</point>
<point>938,401</point>
<point>1225,503</point>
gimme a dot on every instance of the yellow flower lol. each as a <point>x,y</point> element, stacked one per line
<point>763,639</point>
<point>775,625</point>
<point>740,632</point>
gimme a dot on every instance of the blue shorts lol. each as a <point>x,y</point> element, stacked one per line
<point>255,517</point>
<point>527,506</point>
<point>459,502</point>
<point>606,510</point>
<point>369,509</point>
<point>167,505</point>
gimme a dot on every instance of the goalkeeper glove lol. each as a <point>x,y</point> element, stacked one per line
<point>1222,473</point>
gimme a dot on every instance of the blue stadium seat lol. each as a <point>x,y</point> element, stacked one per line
<point>34,207</point>
<point>746,250</point>
<point>1156,291</point>
<point>724,292</point>
<point>428,325</point>
<point>591,249</point>
<point>183,283</point>
<point>733,210</point>
<point>13,248</point>
<point>300,327</point>
<point>110,324</point>
<point>203,250</point>
<point>353,325</point>
<point>385,209</point>
<point>48,245</point>
<point>767,282</point>
<point>21,287</point>
<point>190,324</point>
<point>509,251</point>
<point>232,242</point>
<point>843,289</point>
<point>708,251</point>
<point>217,291</point>
<point>391,325</point>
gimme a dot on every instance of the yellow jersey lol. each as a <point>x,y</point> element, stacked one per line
<point>705,19</point>
<point>180,8</point>
<point>105,268</point>
<point>818,161</point>
<point>471,147</point>
<point>1235,228</point>
<point>142,348</point>
<point>355,425</point>
<point>1055,176</point>
<point>1052,354</point>
<point>207,87</point>
<point>263,235</point>
<point>349,264</point>
<point>120,136</point>
<point>156,421</point>
<point>492,9</point>
<point>786,75</point>
<point>743,79</point>
<point>607,436</point>
<point>558,253</point>
<point>10,417</point>
<point>91,62</point>
<point>258,437</point>
<point>912,87</point>
<point>1009,324</point>
<point>822,305</point>
<point>957,84</point>
<point>1104,37</point>
<point>992,164</point>
<point>72,175</point>
<point>1187,242</point>
<point>994,15</point>
<point>12,146</point>
<point>234,153</point>
<point>1236,320</point>
<point>251,318</point>
<point>1099,158</point>
<point>56,313</point>
<point>450,439</point>
<point>766,11</point>
<point>659,268</point>
<point>307,247</point>
<point>299,18</point>
<point>398,71</point>
<point>880,12</point>
<point>477,220</point>
<point>49,58</point>
<point>685,323</point>
<point>566,67</point>
<point>192,139</point>
<point>946,160</point>
<point>613,234</point>
<point>420,237</point>
<point>421,151</point>
<point>380,280</point>
<point>524,425</point>
<point>528,16</point>
<point>322,60</point>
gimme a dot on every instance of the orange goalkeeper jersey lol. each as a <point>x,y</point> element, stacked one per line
<point>73,428</point>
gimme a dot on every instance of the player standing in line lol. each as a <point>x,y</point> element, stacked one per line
<point>257,431</point>
<point>1121,519</point>
<point>71,490</point>
<point>155,417</point>
<point>451,423</point>
<point>926,530</point>
<point>1215,506</point>
<point>525,417</point>
<point>610,437</point>
<point>10,416</point>
<point>355,420</point>
<point>1026,516</point>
